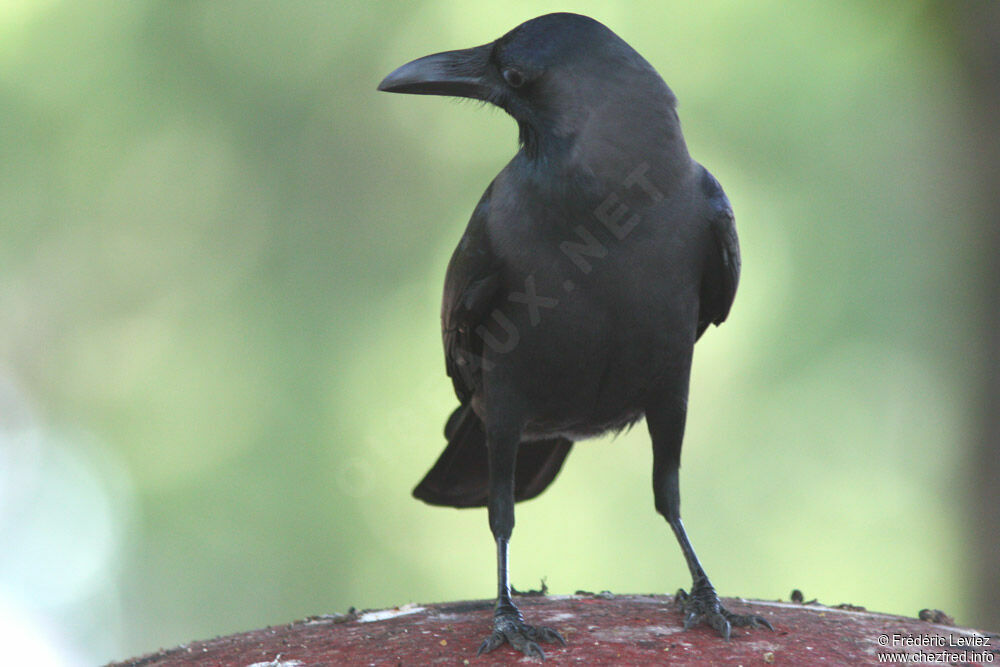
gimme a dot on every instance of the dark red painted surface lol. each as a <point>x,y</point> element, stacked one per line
<point>600,630</point>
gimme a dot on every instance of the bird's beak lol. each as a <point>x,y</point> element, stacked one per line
<point>461,73</point>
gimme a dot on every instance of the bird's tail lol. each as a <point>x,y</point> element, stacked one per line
<point>460,477</point>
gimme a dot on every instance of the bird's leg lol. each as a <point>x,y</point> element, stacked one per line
<point>666,426</point>
<point>508,624</point>
<point>702,603</point>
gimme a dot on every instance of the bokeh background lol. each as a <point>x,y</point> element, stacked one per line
<point>221,254</point>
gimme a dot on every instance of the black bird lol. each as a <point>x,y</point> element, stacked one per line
<point>591,265</point>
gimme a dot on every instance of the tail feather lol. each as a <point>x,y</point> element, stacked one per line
<point>460,477</point>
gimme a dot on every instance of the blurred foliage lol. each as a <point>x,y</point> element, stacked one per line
<point>221,254</point>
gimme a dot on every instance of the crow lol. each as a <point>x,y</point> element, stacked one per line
<point>589,268</point>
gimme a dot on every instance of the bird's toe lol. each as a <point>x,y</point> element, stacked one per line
<point>703,605</point>
<point>521,636</point>
<point>747,620</point>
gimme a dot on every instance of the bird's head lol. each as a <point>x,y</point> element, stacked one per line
<point>550,73</point>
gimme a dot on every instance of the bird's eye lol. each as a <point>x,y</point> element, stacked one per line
<point>513,77</point>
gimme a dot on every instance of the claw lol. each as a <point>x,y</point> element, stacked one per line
<point>546,634</point>
<point>747,620</point>
<point>721,625</point>
<point>702,604</point>
<point>510,629</point>
<point>490,643</point>
<point>530,649</point>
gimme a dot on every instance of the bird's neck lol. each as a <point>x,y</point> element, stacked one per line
<point>608,147</point>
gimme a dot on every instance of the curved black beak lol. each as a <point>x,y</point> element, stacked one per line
<point>462,73</point>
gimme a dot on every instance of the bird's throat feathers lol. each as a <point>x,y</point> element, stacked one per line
<point>606,138</point>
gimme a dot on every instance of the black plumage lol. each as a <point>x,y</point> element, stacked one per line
<point>591,265</point>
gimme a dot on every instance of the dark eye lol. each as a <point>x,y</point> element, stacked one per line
<point>513,77</point>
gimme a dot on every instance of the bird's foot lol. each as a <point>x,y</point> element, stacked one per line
<point>509,627</point>
<point>703,605</point>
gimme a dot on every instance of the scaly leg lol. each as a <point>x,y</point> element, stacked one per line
<point>508,624</point>
<point>666,427</point>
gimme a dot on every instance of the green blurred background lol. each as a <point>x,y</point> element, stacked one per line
<point>221,255</point>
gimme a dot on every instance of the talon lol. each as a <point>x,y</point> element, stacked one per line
<point>490,643</point>
<point>758,622</point>
<point>550,635</point>
<point>702,604</point>
<point>534,649</point>
<point>508,627</point>
<point>748,620</point>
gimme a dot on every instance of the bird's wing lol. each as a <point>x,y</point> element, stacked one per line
<point>470,289</point>
<point>722,269</point>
